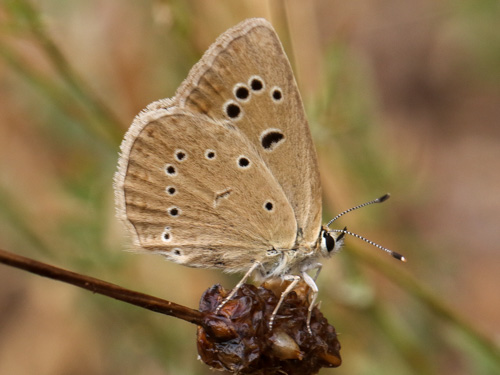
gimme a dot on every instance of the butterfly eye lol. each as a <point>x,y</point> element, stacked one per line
<point>328,241</point>
<point>276,94</point>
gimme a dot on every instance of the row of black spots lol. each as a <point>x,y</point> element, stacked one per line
<point>242,162</point>
<point>242,92</point>
<point>180,156</point>
<point>166,236</point>
<point>170,170</point>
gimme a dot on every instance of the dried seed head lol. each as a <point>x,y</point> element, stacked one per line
<point>238,338</point>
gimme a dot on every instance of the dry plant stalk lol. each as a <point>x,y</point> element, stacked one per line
<point>237,338</point>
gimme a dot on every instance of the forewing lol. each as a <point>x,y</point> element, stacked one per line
<point>245,78</point>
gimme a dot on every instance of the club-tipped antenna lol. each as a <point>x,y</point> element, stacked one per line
<point>392,253</point>
<point>383,198</point>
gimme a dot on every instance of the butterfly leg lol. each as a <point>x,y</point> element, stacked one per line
<point>255,265</point>
<point>294,280</point>
<point>311,282</point>
<point>318,267</point>
<point>314,293</point>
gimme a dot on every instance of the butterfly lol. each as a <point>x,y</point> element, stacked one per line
<point>224,174</point>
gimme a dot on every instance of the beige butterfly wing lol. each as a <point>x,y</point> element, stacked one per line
<point>272,116</point>
<point>195,181</point>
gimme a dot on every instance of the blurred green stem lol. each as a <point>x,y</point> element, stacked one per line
<point>103,119</point>
<point>396,274</point>
<point>14,215</point>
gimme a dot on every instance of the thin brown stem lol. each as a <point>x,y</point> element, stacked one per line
<point>104,288</point>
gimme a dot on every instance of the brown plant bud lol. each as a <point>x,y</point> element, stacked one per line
<point>238,338</point>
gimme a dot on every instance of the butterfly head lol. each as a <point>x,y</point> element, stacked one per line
<point>329,242</point>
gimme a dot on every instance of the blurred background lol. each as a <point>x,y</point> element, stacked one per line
<point>402,97</point>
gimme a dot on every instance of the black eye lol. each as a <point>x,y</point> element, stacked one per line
<point>329,241</point>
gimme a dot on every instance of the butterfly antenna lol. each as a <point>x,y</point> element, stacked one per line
<point>392,253</point>
<point>383,198</point>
